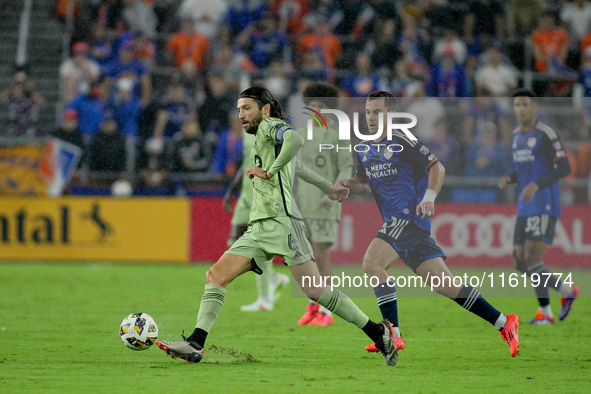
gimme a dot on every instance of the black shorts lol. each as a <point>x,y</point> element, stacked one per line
<point>413,244</point>
<point>534,228</point>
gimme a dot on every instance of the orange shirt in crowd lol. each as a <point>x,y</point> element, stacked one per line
<point>550,42</point>
<point>184,46</point>
<point>329,45</point>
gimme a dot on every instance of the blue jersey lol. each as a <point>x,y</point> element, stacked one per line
<point>534,154</point>
<point>397,173</point>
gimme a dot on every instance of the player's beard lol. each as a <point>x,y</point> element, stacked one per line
<point>253,125</point>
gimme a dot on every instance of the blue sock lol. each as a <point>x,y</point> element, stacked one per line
<point>470,299</point>
<point>388,303</point>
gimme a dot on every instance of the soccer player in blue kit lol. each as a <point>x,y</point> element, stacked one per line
<point>539,161</point>
<point>404,178</point>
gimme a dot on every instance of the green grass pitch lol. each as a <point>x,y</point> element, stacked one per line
<point>59,333</point>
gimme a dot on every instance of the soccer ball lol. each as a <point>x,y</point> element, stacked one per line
<point>121,188</point>
<point>138,331</point>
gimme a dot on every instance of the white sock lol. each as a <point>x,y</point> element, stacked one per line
<point>396,332</point>
<point>546,310</point>
<point>324,310</point>
<point>501,321</point>
<point>313,302</point>
<point>265,298</point>
<point>565,289</point>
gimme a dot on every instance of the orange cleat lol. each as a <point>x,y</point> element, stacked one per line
<point>398,342</point>
<point>321,319</point>
<point>567,303</point>
<point>309,315</point>
<point>510,335</point>
<point>541,318</point>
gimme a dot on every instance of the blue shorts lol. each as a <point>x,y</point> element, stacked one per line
<point>413,243</point>
<point>534,228</point>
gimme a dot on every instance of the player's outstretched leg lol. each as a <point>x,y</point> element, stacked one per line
<point>470,299</point>
<point>227,268</point>
<point>342,306</point>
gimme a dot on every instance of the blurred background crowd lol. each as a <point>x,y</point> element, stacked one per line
<point>148,88</point>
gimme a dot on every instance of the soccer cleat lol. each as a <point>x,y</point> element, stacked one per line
<point>278,283</point>
<point>321,319</point>
<point>541,318</point>
<point>387,347</point>
<point>398,342</point>
<point>509,333</point>
<point>185,349</point>
<point>309,315</point>
<point>258,306</point>
<point>567,303</point>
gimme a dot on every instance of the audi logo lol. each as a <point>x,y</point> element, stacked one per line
<point>492,234</point>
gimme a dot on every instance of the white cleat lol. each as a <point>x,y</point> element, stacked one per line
<point>258,306</point>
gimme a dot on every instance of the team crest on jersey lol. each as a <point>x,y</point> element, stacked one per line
<point>424,150</point>
<point>406,211</point>
<point>531,142</point>
<point>388,154</point>
<point>293,243</point>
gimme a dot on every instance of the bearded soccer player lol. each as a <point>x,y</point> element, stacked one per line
<point>269,282</point>
<point>276,228</point>
<point>539,161</point>
<point>321,215</point>
<point>404,178</point>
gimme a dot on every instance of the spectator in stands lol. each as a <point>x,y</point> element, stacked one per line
<point>176,109</point>
<point>144,50</point>
<point>22,105</point>
<point>152,164</point>
<point>577,19</point>
<point>90,108</point>
<point>219,103</point>
<point>356,16</point>
<point>321,39</point>
<point>106,152</point>
<point>484,17</point>
<point>278,82</point>
<point>445,147</point>
<point>139,16</point>
<point>243,13</point>
<point>126,108</point>
<point>233,65</point>
<point>497,78</point>
<point>483,111</point>
<point>401,80</point>
<point>106,13</point>
<point>69,131</point>
<point>78,72</point>
<point>188,45</point>
<point>290,14</point>
<point>207,15</point>
<point>362,80</point>
<point>522,19</point>
<point>328,11</point>
<point>383,47</point>
<point>101,46</point>
<point>264,43</point>
<point>485,158</point>
<point>429,111</point>
<point>127,67</point>
<point>412,42</point>
<point>451,41</point>
<point>191,151</point>
<point>228,150</point>
<point>447,78</point>
<point>550,45</point>
<point>311,67</point>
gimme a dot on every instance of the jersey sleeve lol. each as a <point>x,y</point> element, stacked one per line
<point>552,147</point>
<point>274,130</point>
<point>417,154</point>
<point>359,169</point>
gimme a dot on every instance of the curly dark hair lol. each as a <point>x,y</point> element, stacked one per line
<point>323,92</point>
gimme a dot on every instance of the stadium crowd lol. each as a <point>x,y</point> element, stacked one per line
<point>150,85</point>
